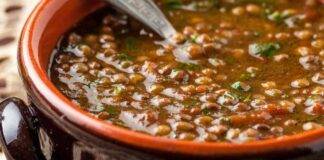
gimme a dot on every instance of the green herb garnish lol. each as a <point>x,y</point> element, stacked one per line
<point>125,57</point>
<point>277,16</point>
<point>190,103</point>
<point>206,111</point>
<point>118,89</point>
<point>234,95</point>
<point>193,38</point>
<point>230,60</point>
<point>247,98</point>
<point>241,86</point>
<point>226,120</point>
<point>131,43</point>
<point>173,4</point>
<point>188,66</point>
<point>264,49</point>
<point>112,110</point>
<point>311,118</point>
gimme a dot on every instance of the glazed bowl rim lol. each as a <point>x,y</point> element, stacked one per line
<point>39,79</point>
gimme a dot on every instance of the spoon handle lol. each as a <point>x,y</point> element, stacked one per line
<point>148,13</point>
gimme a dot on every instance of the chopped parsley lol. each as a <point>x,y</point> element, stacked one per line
<point>264,49</point>
<point>118,89</point>
<point>190,103</point>
<point>206,111</point>
<point>173,4</point>
<point>111,110</point>
<point>239,96</point>
<point>311,118</point>
<point>277,16</point>
<point>230,60</point>
<point>131,43</point>
<point>125,57</point>
<point>231,95</point>
<point>241,86</point>
<point>193,38</point>
<point>247,98</point>
<point>188,66</point>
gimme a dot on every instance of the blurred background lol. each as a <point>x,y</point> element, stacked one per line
<point>13,14</point>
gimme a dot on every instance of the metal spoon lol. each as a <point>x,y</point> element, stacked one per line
<point>148,13</point>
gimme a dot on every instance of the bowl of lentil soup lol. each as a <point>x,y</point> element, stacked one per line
<point>241,78</point>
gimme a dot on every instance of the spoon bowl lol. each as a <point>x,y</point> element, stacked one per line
<point>148,13</point>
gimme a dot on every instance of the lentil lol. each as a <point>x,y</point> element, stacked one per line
<point>238,71</point>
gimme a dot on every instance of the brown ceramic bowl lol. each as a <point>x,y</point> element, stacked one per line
<point>53,127</point>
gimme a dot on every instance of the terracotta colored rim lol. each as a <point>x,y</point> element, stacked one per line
<point>38,77</point>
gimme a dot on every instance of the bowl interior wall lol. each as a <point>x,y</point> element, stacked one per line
<point>54,22</point>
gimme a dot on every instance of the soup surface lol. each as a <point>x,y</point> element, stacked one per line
<point>237,71</point>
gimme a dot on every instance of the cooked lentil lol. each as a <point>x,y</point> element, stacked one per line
<point>237,71</point>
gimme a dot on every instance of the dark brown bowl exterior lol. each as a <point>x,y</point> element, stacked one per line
<point>59,129</point>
